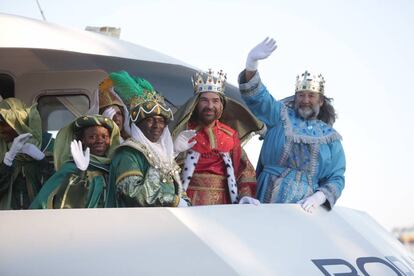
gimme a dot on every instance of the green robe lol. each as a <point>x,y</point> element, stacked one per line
<point>140,181</point>
<point>71,188</point>
<point>20,183</point>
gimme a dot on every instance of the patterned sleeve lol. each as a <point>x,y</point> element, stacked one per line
<point>138,184</point>
<point>334,182</point>
<point>259,100</point>
<point>247,177</point>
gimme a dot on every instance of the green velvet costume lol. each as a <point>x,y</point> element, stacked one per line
<point>70,187</point>
<point>141,179</point>
<point>20,183</point>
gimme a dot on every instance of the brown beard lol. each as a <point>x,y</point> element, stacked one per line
<point>208,120</point>
<point>196,117</point>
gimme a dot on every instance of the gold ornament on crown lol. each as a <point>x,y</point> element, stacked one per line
<point>209,82</point>
<point>150,103</point>
<point>312,83</point>
<point>148,96</point>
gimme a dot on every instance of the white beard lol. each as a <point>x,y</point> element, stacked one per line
<point>308,113</point>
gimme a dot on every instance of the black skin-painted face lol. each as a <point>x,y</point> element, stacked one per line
<point>97,138</point>
<point>152,127</point>
<point>7,133</point>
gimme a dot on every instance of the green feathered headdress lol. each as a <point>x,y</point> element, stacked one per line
<point>139,96</point>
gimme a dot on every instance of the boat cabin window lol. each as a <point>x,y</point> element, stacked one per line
<point>59,110</point>
<point>6,86</point>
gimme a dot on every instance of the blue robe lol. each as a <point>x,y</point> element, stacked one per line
<point>298,157</point>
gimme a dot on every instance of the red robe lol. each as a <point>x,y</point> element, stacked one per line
<point>208,184</point>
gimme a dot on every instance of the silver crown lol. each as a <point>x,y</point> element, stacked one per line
<point>312,83</point>
<point>209,82</point>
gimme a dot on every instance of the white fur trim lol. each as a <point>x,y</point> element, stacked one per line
<point>190,163</point>
<point>189,167</point>
<point>231,179</point>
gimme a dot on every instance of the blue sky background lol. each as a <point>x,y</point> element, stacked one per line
<point>364,49</point>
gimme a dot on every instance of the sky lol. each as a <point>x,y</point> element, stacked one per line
<point>364,49</point>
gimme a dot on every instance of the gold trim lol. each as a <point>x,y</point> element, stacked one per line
<point>176,201</point>
<point>208,189</point>
<point>228,132</point>
<point>51,198</point>
<point>62,204</point>
<point>152,160</point>
<point>212,138</point>
<point>209,176</point>
<point>129,173</point>
<point>208,183</point>
<point>247,179</point>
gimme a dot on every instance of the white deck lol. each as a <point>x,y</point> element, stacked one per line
<point>270,239</point>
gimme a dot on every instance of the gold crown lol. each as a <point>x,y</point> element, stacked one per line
<point>212,83</point>
<point>147,96</point>
<point>308,82</point>
<point>150,104</point>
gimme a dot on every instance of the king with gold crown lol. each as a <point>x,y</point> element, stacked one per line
<point>143,170</point>
<point>302,159</point>
<point>216,170</point>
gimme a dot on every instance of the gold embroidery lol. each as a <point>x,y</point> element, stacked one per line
<point>128,173</point>
<point>208,189</point>
<point>212,138</point>
<point>228,132</point>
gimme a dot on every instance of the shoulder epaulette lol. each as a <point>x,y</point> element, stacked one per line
<point>226,129</point>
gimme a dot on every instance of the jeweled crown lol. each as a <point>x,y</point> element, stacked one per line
<point>308,82</point>
<point>209,82</point>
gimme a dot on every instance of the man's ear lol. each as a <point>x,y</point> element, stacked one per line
<point>321,100</point>
<point>221,114</point>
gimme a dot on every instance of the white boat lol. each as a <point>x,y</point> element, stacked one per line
<point>59,69</point>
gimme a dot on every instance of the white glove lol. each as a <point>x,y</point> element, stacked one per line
<point>311,202</point>
<point>249,200</point>
<point>182,142</point>
<point>109,112</point>
<point>32,151</point>
<point>15,148</point>
<point>80,157</point>
<point>260,51</point>
<point>127,126</point>
<point>182,203</point>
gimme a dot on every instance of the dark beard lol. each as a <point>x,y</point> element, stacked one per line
<point>207,120</point>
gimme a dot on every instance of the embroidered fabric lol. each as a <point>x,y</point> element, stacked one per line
<point>191,163</point>
<point>129,185</point>
<point>309,155</point>
<point>164,149</point>
<point>306,131</point>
